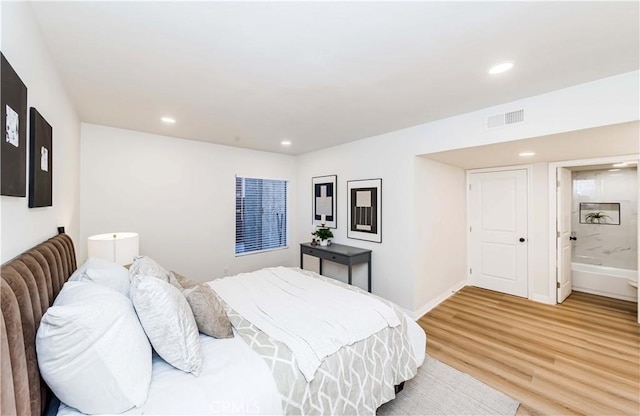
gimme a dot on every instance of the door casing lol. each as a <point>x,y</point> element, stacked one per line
<point>530,238</point>
<point>564,199</point>
<point>553,213</point>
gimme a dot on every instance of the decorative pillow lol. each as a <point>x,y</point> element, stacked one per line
<point>182,282</point>
<point>92,351</point>
<point>208,312</point>
<point>103,272</point>
<point>168,322</point>
<point>146,266</point>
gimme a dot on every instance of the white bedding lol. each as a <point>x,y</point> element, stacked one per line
<point>418,339</point>
<point>326,317</point>
<point>235,379</point>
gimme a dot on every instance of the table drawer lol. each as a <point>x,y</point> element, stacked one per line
<point>325,255</point>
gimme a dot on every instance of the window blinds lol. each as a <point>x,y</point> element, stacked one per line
<point>261,214</point>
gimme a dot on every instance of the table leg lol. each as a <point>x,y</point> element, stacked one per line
<point>369,270</point>
<point>320,264</point>
<point>349,273</point>
<point>301,265</point>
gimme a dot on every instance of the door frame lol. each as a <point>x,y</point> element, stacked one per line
<point>529,169</point>
<point>553,214</point>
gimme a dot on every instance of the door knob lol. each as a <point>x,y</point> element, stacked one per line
<point>573,238</point>
<point>522,240</point>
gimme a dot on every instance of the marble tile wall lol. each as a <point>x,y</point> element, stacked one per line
<point>604,244</point>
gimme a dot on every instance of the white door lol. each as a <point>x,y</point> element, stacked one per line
<point>563,227</point>
<point>498,231</point>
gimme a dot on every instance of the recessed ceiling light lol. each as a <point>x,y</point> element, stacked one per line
<point>500,68</point>
<point>168,120</point>
<point>526,154</point>
<point>285,143</point>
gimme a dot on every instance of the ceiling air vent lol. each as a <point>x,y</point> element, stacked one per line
<point>505,119</point>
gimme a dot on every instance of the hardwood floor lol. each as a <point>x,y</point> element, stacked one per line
<point>578,357</point>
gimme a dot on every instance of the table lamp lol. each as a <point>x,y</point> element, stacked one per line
<point>119,248</point>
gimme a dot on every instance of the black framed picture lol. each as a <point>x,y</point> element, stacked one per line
<point>325,200</point>
<point>40,161</point>
<point>365,210</point>
<point>13,149</point>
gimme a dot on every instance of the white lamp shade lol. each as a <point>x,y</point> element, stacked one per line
<point>119,248</point>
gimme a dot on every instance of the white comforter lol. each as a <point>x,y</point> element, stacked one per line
<point>326,316</point>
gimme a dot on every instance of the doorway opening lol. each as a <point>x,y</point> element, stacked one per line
<point>594,216</point>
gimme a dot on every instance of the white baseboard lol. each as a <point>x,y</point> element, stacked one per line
<point>417,314</point>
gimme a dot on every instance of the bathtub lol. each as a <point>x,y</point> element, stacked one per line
<point>605,281</point>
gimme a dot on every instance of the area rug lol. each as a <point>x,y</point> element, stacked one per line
<point>438,389</point>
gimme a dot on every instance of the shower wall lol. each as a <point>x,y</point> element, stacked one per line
<point>605,244</point>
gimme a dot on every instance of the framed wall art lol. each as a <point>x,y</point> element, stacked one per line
<point>365,210</point>
<point>40,161</point>
<point>13,149</point>
<point>600,213</point>
<point>324,201</point>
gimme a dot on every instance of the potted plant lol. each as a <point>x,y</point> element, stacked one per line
<point>596,218</point>
<point>323,234</point>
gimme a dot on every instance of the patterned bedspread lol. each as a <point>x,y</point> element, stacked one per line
<point>354,381</point>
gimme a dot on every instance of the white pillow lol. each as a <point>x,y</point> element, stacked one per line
<point>168,322</point>
<point>146,266</point>
<point>92,351</point>
<point>103,272</point>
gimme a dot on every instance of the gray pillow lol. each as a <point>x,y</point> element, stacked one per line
<point>208,311</point>
<point>181,282</point>
<point>168,322</point>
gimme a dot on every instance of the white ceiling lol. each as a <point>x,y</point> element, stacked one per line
<point>595,143</point>
<point>251,74</point>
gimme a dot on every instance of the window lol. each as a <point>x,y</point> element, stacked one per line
<point>261,214</point>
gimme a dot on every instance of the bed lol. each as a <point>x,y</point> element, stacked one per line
<point>249,373</point>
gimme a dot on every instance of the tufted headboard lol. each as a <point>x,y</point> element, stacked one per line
<point>30,283</point>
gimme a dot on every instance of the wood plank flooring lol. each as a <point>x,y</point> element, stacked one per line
<point>578,357</point>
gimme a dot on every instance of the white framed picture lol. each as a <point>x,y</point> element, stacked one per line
<point>365,210</point>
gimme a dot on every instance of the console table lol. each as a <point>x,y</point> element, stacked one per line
<point>338,253</point>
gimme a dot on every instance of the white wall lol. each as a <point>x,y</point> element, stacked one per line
<point>440,250</point>
<point>539,235</point>
<point>392,275</point>
<point>179,195</point>
<point>603,102</point>
<point>21,226</point>
<point>397,273</point>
